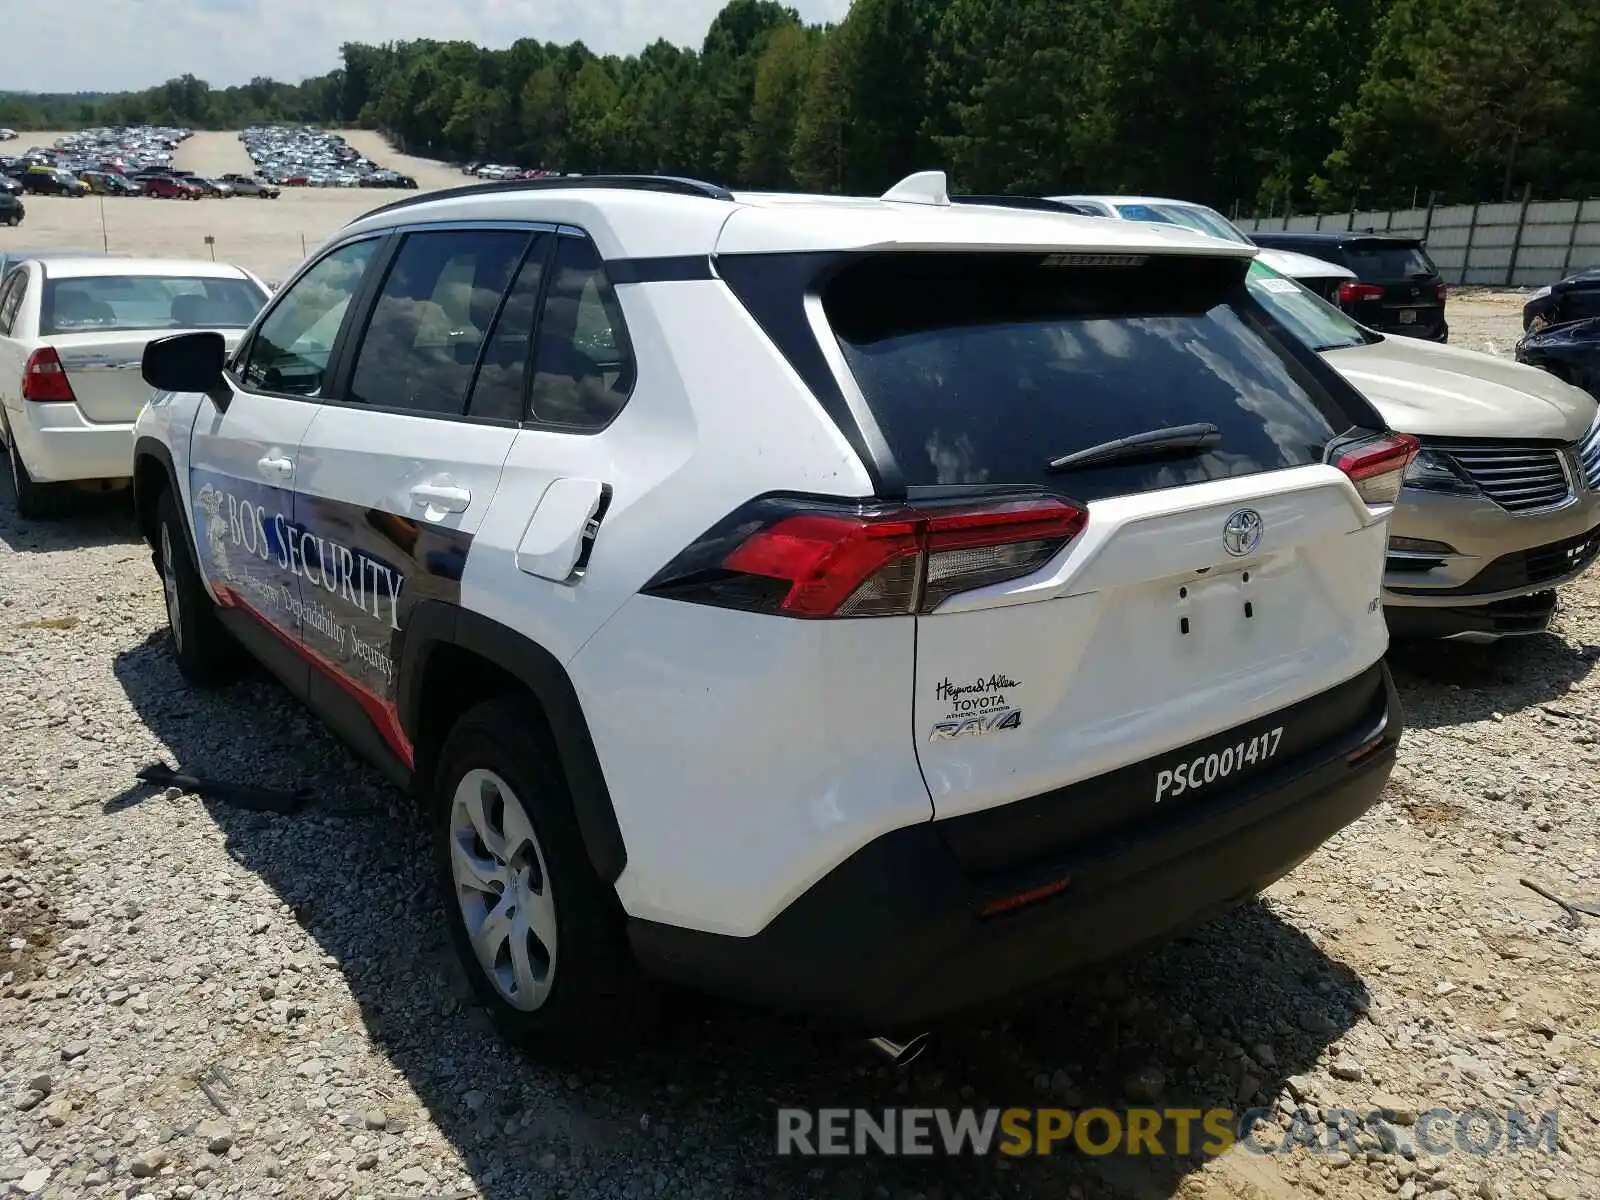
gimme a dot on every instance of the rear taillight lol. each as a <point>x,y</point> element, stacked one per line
<point>1377,466</point>
<point>1350,292</point>
<point>817,559</point>
<point>45,379</point>
<point>1443,290</point>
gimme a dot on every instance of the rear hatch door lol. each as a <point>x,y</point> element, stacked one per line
<point>1210,590</point>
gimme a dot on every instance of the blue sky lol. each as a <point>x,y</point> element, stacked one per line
<point>116,45</point>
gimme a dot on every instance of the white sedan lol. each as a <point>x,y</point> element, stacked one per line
<point>72,334</point>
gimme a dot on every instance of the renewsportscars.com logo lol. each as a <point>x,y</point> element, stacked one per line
<point>1183,1132</point>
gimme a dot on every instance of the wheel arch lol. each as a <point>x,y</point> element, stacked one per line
<point>153,473</point>
<point>452,656</point>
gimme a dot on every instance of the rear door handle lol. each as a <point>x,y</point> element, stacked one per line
<point>445,497</point>
<point>275,466</point>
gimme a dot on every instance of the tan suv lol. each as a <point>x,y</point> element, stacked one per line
<point>1502,504</point>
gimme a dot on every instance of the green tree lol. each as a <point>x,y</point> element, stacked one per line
<point>592,118</point>
<point>884,62</point>
<point>1012,80</point>
<point>1469,97</point>
<point>782,73</point>
<point>817,158</point>
<point>733,45</point>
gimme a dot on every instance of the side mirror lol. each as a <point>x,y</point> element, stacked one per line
<point>185,362</point>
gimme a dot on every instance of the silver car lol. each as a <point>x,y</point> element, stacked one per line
<point>1502,504</point>
<point>1322,277</point>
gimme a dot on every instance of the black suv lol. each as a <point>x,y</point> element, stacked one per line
<point>1397,289</point>
<point>11,209</point>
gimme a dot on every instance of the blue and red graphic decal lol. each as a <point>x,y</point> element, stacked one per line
<point>334,581</point>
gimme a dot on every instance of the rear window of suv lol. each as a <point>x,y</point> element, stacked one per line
<point>1379,262</point>
<point>982,368</point>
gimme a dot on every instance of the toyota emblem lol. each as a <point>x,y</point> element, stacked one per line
<point>1241,532</point>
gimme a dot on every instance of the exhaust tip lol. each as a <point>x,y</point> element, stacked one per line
<point>900,1054</point>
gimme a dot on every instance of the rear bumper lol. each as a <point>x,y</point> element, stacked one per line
<point>59,445</point>
<point>895,936</point>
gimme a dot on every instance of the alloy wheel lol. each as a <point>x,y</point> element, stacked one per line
<point>503,889</point>
<point>169,586</point>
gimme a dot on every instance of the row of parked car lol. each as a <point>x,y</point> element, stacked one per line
<point>490,171</point>
<point>119,151</point>
<point>1046,556</point>
<point>164,184</point>
<point>122,161</point>
<point>304,156</point>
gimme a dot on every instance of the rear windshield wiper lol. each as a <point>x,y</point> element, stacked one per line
<point>1173,441</point>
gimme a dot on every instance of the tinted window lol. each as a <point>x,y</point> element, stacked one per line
<point>1318,324</point>
<point>585,367</point>
<point>431,318</point>
<point>1389,262</point>
<point>980,369</point>
<point>290,350</point>
<point>501,386</point>
<point>100,302</point>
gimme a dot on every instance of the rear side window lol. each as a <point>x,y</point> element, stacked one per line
<point>1380,262</point>
<point>431,318</point>
<point>981,369</point>
<point>118,302</point>
<point>584,365</point>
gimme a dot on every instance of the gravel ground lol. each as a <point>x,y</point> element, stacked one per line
<point>197,1001</point>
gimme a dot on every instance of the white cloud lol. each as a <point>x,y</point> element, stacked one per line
<point>117,45</point>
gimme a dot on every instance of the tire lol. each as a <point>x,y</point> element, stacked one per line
<point>34,500</point>
<point>207,654</point>
<point>583,997</point>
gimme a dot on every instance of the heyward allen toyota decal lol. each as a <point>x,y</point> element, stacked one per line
<point>334,580</point>
<point>976,707</point>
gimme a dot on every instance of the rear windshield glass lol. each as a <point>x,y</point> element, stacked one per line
<point>1389,262</point>
<point>116,302</point>
<point>981,369</point>
<point>1308,316</point>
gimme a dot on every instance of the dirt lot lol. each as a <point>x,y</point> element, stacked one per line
<point>200,1002</point>
<point>1486,319</point>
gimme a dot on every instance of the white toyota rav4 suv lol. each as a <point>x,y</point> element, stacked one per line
<point>868,607</point>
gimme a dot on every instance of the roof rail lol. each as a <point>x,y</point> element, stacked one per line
<point>671,184</point>
<point>925,187</point>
